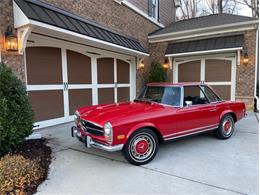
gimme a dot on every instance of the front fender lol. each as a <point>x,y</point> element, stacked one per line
<point>138,126</point>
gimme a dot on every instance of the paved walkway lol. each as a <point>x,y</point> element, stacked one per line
<point>196,165</point>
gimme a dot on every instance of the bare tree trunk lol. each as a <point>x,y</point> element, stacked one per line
<point>220,7</point>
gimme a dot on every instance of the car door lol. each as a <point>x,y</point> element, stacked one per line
<point>216,103</point>
<point>197,113</point>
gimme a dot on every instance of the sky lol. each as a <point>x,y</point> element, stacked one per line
<point>240,9</point>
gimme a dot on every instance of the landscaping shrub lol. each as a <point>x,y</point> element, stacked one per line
<point>16,115</point>
<point>17,173</point>
<point>157,73</point>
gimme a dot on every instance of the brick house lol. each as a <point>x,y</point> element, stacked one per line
<point>90,52</point>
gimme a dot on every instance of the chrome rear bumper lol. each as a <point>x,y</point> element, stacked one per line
<point>89,142</point>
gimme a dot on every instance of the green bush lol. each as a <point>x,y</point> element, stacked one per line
<point>16,115</point>
<point>17,173</point>
<point>157,73</point>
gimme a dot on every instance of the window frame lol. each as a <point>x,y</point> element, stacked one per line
<point>220,99</point>
<point>154,9</point>
<point>199,86</point>
<point>181,95</point>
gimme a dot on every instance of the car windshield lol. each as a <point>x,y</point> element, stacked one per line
<point>164,95</point>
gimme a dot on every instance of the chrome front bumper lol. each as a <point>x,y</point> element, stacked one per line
<point>75,132</point>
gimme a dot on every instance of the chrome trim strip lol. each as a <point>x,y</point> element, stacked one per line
<point>91,143</point>
<point>187,131</point>
<point>191,133</point>
<point>92,122</point>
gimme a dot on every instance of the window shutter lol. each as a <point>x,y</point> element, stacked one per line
<point>150,7</point>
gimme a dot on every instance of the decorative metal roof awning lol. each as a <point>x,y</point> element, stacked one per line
<point>35,16</point>
<point>210,45</point>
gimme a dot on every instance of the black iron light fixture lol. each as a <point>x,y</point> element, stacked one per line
<point>11,40</point>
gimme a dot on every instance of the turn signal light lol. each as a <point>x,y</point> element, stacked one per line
<point>120,137</point>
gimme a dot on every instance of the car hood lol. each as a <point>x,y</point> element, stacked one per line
<point>114,113</point>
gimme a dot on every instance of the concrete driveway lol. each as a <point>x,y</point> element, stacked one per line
<point>197,165</point>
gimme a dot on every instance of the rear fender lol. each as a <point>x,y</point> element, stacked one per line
<point>227,112</point>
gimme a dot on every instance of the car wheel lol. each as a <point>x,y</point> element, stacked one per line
<point>226,127</point>
<point>141,147</point>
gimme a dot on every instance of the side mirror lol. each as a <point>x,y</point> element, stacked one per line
<point>188,103</point>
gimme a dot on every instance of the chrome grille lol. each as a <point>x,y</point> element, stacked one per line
<point>91,128</point>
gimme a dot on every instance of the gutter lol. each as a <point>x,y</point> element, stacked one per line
<point>204,31</point>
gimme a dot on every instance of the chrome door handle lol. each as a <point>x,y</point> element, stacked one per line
<point>213,110</point>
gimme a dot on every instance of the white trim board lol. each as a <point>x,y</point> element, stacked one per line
<point>85,38</point>
<point>213,30</point>
<point>142,13</point>
<point>204,52</point>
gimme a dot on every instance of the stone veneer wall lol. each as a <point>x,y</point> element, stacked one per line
<point>245,78</point>
<point>13,60</point>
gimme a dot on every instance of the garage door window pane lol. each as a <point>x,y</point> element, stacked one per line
<point>47,104</point>
<point>123,94</point>
<point>105,95</point>
<point>217,70</point>
<point>79,68</point>
<point>43,65</point>
<point>189,71</point>
<point>79,98</point>
<point>105,69</point>
<point>223,91</point>
<point>122,71</point>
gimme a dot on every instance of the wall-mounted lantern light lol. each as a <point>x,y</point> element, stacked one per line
<point>166,64</point>
<point>141,65</point>
<point>11,41</point>
<point>245,58</point>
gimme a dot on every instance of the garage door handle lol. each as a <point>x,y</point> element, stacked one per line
<point>66,86</point>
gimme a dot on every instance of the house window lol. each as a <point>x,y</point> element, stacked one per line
<point>153,9</point>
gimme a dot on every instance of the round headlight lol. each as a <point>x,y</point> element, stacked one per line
<point>108,132</point>
<point>77,117</point>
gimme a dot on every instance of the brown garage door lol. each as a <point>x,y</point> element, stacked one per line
<point>218,75</point>
<point>44,77</point>
<point>58,86</point>
<point>215,72</point>
<point>113,80</point>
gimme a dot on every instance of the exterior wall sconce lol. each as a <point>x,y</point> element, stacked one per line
<point>141,65</point>
<point>245,58</point>
<point>166,64</point>
<point>11,40</point>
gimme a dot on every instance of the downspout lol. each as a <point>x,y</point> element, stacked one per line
<point>257,69</point>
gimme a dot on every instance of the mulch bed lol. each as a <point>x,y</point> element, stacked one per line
<point>36,150</point>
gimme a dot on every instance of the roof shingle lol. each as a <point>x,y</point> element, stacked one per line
<point>202,22</point>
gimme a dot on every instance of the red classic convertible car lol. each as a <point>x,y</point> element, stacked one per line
<point>162,112</point>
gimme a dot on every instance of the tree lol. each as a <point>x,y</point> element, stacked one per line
<point>253,5</point>
<point>157,73</point>
<point>219,7</point>
<point>189,8</point>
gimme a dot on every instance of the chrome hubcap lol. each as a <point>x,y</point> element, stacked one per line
<point>227,126</point>
<point>141,147</point>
